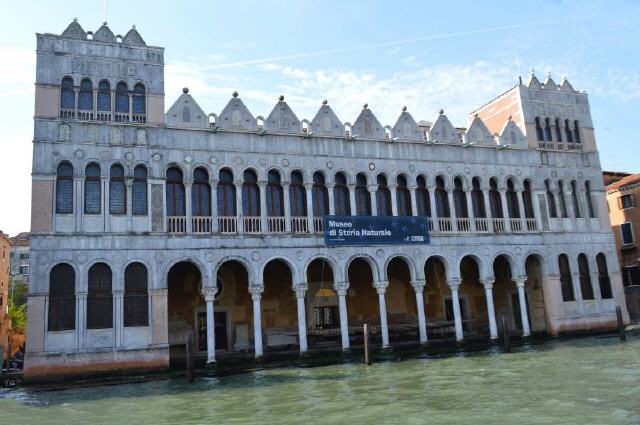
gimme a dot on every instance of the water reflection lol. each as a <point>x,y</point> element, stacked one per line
<point>591,380</point>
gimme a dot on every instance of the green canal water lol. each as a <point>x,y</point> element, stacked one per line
<point>581,381</point>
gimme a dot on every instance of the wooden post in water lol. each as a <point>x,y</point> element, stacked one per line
<point>505,335</point>
<point>189,355</point>
<point>367,345</point>
<point>623,335</point>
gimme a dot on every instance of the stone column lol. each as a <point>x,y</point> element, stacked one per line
<point>505,210</point>
<point>373,190</point>
<point>214,205</point>
<point>287,206</point>
<point>76,93</point>
<point>491,313</point>
<point>105,213</point>
<point>239,212</point>
<point>81,317</point>
<point>523,216</point>
<point>78,202</point>
<point>470,213</point>
<point>418,287</point>
<point>95,103</point>
<point>524,315</point>
<point>536,208</point>
<point>381,288</point>
<point>454,284</point>
<point>309,191</point>
<point>188,206</point>
<point>118,317</point>
<point>434,208</point>
<point>263,206</point>
<point>414,201</point>
<point>256,296</point>
<point>332,205</point>
<point>394,199</point>
<point>352,199</point>
<point>209,295</point>
<point>487,208</point>
<point>300,290</point>
<point>130,106</point>
<point>129,184</point>
<point>158,317</point>
<point>452,210</point>
<point>342,288</point>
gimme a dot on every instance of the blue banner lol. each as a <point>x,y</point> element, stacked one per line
<point>370,230</point>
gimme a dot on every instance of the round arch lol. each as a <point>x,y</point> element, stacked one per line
<point>411,265</point>
<point>375,270</point>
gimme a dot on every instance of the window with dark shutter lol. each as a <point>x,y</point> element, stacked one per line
<point>423,202</point>
<point>512,200</point>
<point>603,277</point>
<point>495,201</point>
<point>138,101</point>
<point>275,195</point>
<point>226,194</point>
<point>67,95</point>
<point>62,298</point>
<point>117,190</point>
<point>341,195</point>
<point>477,199</point>
<point>459,199</point>
<point>99,297</point>
<point>64,188</point>
<point>363,198</point>
<point>320,195</point>
<point>200,194</point>
<point>136,298</point>
<point>551,200</point>
<point>250,194</point>
<point>175,193</point>
<point>104,96</point>
<point>627,234</point>
<point>590,209</point>
<point>626,201</point>
<point>139,190</point>
<point>122,97</point>
<point>403,196</point>
<point>297,195</point>
<point>85,98</point>
<point>585,277</point>
<point>442,199</point>
<point>566,281</point>
<point>92,189</point>
<point>631,275</point>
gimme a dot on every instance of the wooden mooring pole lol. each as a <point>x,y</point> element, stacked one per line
<point>190,358</point>
<point>505,335</point>
<point>621,332</point>
<point>367,345</point>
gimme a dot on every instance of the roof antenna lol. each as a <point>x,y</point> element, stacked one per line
<point>105,10</point>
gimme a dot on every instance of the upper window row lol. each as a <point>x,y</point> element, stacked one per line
<point>550,130</point>
<point>102,103</point>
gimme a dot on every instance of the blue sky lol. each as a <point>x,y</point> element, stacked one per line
<point>425,55</point>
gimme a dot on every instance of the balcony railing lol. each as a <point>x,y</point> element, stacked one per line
<point>464,225</point>
<point>430,224</point>
<point>276,224</point>
<point>498,225</point>
<point>532,225</point>
<point>482,224</point>
<point>201,225</point>
<point>228,224</point>
<point>317,224</point>
<point>299,224</point>
<point>559,146</point>
<point>444,225</point>
<point>177,224</point>
<point>252,224</point>
<point>515,224</point>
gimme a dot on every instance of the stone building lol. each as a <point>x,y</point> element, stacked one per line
<point>20,256</point>
<point>623,195</point>
<point>148,227</point>
<point>5,321</point>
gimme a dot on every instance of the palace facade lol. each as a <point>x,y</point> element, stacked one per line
<point>148,227</point>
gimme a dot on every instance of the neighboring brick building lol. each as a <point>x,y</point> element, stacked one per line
<point>5,322</point>
<point>623,197</point>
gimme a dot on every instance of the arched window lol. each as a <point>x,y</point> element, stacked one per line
<point>459,199</point>
<point>576,202</point>
<point>539,132</point>
<point>320,195</point>
<point>104,96</point>
<point>547,130</point>
<point>275,195</point>
<point>62,298</point>
<point>477,199</point>
<point>566,281</point>
<point>341,195</point>
<point>558,127</point>
<point>383,197</point>
<point>551,200</point>
<point>363,199</point>
<point>297,195</point>
<point>404,196</point>
<point>576,132</point>
<point>495,202</point>
<point>527,200</point>
<point>99,298</point>
<point>442,199</point>
<point>175,193</point>
<point>512,200</point>
<point>85,98</point>
<point>585,277</point>
<point>139,190</point>
<point>567,132</point>
<point>422,197</point>
<point>122,98</point>
<point>226,194</point>
<point>603,277</point>
<point>250,194</point>
<point>587,193</point>
<point>563,204</point>
<point>64,188</point>
<point>117,190</point>
<point>67,95</point>
<point>138,101</point>
<point>200,193</point>
<point>136,298</point>
<point>92,189</point>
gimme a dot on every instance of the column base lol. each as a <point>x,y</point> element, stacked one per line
<point>386,349</point>
<point>211,362</point>
<point>304,354</point>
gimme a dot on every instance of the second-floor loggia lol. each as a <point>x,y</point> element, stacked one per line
<point>245,204</point>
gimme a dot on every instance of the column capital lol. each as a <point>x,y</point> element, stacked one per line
<point>341,288</point>
<point>487,282</point>
<point>82,294</point>
<point>158,291</point>
<point>454,283</point>
<point>413,187</point>
<point>393,187</point>
<point>308,186</point>
<point>188,182</point>
<point>118,292</point>
<point>256,292</point>
<point>418,285</point>
<point>300,289</point>
<point>209,294</point>
<point>373,188</point>
<point>330,186</point>
<point>519,281</point>
<point>381,286</point>
<point>262,184</point>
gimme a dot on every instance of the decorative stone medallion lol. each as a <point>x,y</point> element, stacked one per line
<point>380,253</point>
<point>300,255</point>
<point>64,132</point>
<point>141,136</point>
<point>518,172</point>
<point>129,156</point>
<point>255,256</point>
<point>238,160</point>
<point>580,174</point>
<point>467,170</point>
<point>554,174</point>
<point>330,164</point>
<point>449,170</point>
<point>340,253</point>
<point>372,166</point>
<point>79,154</point>
<point>188,158</point>
<point>417,253</point>
<point>156,156</point>
<point>159,257</point>
<point>105,155</point>
<point>412,168</point>
<point>92,134</point>
<point>209,256</point>
<point>213,160</point>
<point>518,250</point>
<point>285,162</point>
<point>501,171</point>
<point>118,258</point>
<point>262,162</point>
<point>56,152</point>
<point>81,258</point>
<point>116,136</point>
